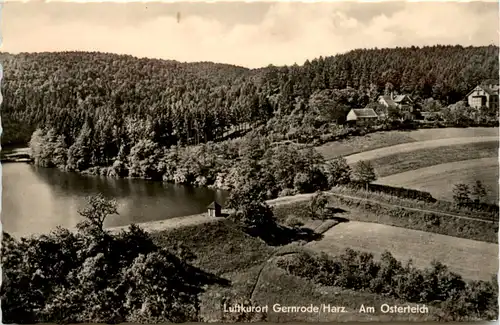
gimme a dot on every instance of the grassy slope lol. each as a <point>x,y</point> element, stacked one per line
<point>220,248</point>
<point>440,179</point>
<point>360,144</point>
<point>376,212</point>
<point>461,255</point>
<point>378,140</point>
<point>402,162</point>
<point>421,145</point>
<point>226,251</point>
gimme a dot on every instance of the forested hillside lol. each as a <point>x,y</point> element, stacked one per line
<point>168,101</point>
<point>104,110</point>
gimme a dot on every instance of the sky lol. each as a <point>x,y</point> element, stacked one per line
<point>250,34</point>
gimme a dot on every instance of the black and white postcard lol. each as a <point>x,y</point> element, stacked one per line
<point>249,161</point>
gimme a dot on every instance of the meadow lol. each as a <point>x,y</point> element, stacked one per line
<point>407,161</point>
<point>249,265</point>
<point>461,255</point>
<point>431,160</point>
<point>378,140</point>
<point>440,179</point>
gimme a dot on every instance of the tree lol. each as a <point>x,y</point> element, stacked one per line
<point>478,192</point>
<point>96,212</point>
<point>461,194</point>
<point>337,172</point>
<point>365,173</point>
<point>245,194</point>
<point>257,218</point>
<point>317,205</point>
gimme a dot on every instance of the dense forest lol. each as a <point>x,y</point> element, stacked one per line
<point>120,115</point>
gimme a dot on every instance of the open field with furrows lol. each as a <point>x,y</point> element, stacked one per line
<point>407,161</point>
<point>469,258</point>
<point>440,179</point>
<point>378,140</point>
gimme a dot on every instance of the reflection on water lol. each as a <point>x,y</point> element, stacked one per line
<point>36,200</point>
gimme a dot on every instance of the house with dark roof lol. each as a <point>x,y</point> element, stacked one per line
<point>398,101</point>
<point>387,101</point>
<point>361,116</point>
<point>485,94</point>
<point>403,103</point>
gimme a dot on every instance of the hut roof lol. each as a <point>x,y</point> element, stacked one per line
<point>214,205</point>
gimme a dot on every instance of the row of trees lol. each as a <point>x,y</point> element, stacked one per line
<point>277,169</point>
<point>468,196</point>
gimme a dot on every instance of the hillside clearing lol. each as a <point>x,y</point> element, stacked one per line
<point>406,161</point>
<point>472,259</point>
<point>358,144</point>
<point>440,179</point>
<point>447,133</point>
<point>409,147</point>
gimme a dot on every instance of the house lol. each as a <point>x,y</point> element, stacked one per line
<point>361,116</point>
<point>214,209</point>
<point>485,94</point>
<point>399,101</point>
<point>402,103</point>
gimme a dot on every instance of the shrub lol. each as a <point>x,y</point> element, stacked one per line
<point>294,222</point>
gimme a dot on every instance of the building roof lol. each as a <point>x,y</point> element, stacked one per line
<point>388,100</point>
<point>491,91</point>
<point>213,205</point>
<point>364,112</point>
<point>399,98</point>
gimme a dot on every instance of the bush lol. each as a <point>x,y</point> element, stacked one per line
<point>294,222</point>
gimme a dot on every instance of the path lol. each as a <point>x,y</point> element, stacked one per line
<point>285,250</point>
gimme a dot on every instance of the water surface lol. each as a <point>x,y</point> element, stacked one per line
<point>36,200</point>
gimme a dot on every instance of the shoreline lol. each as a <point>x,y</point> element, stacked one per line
<point>201,218</point>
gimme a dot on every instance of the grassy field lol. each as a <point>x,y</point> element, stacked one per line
<point>440,179</point>
<point>248,264</point>
<point>463,256</point>
<point>219,247</point>
<point>407,161</point>
<point>421,145</point>
<point>378,140</point>
<point>359,144</point>
<point>382,211</point>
